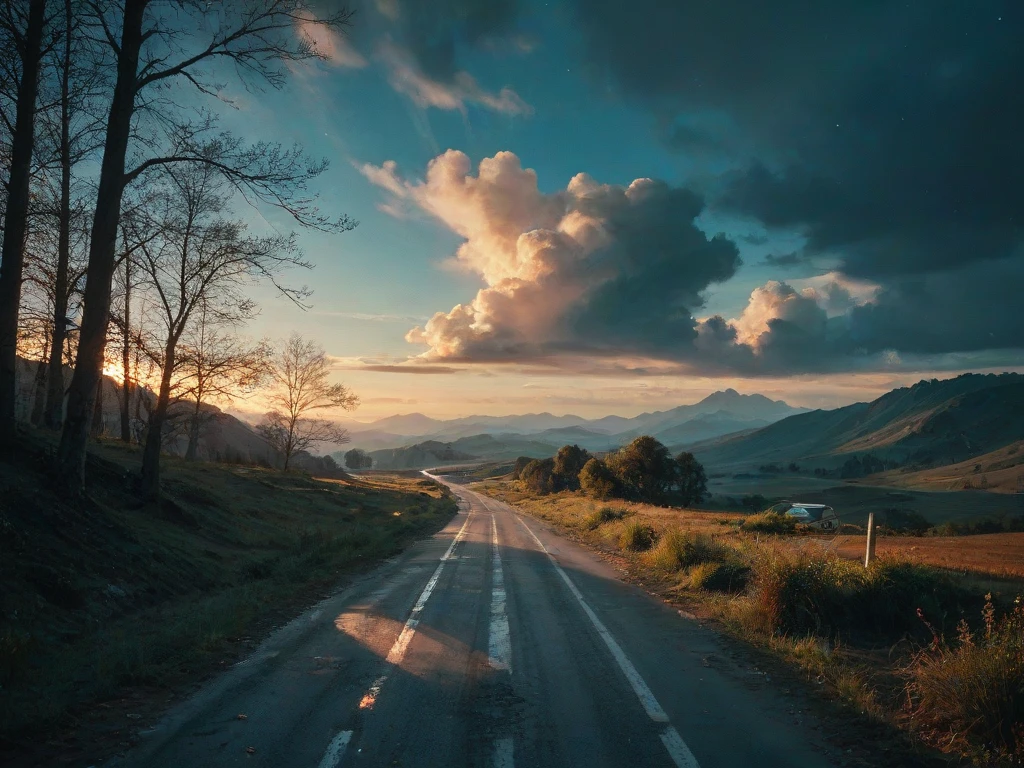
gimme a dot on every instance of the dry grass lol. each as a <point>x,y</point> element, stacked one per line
<point>999,555</point>
<point>807,599</point>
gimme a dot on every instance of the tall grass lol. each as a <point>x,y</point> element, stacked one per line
<point>678,549</point>
<point>637,536</point>
<point>971,692</point>
<point>824,594</point>
<point>769,522</point>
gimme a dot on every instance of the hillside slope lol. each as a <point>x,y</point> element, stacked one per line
<point>104,590</point>
<point>937,421</point>
<point>999,471</point>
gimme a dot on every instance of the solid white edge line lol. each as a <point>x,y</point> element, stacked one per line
<point>335,750</point>
<point>499,641</point>
<point>677,749</point>
<point>647,699</point>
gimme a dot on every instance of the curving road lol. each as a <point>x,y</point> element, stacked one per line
<point>494,643</point>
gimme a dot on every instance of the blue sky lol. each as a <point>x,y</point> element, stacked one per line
<point>811,326</point>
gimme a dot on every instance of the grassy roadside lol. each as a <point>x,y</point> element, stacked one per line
<point>915,648</point>
<point>103,593</point>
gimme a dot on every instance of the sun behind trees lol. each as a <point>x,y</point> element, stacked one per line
<point>103,102</point>
<point>300,387</point>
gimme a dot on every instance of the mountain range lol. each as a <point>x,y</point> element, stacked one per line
<point>415,440</point>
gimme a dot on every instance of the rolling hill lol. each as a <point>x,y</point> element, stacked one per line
<point>931,423</point>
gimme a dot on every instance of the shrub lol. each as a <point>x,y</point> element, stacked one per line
<point>801,594</point>
<point>769,522</point>
<point>681,549</point>
<point>825,594</point>
<point>599,517</point>
<point>973,692</point>
<point>729,576</point>
<point>637,536</point>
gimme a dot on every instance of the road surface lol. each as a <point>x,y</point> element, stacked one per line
<point>494,643</point>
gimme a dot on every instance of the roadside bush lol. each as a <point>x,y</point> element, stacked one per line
<point>599,517</point>
<point>769,522</point>
<point>800,594</point>
<point>825,595</point>
<point>637,536</point>
<point>972,693</point>
<point>728,576</point>
<point>679,549</point>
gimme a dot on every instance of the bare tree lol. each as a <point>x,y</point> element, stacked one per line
<point>73,131</point>
<point>216,364</point>
<point>202,259</point>
<point>300,387</point>
<point>151,52</point>
<point>26,32</point>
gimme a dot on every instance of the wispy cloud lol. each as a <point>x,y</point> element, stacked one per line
<point>329,44</point>
<point>407,78</point>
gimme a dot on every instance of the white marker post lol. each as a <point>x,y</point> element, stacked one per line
<point>869,553</point>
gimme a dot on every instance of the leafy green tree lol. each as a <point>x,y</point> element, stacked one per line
<point>691,479</point>
<point>644,469</point>
<point>597,480</point>
<point>569,461</point>
<point>537,476</point>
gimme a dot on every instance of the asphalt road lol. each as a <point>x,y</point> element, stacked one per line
<point>494,643</point>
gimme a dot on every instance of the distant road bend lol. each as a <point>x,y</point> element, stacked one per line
<point>493,643</point>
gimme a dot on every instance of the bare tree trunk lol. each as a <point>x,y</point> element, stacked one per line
<point>126,349</point>
<point>54,412</point>
<point>154,436</point>
<point>12,261</point>
<point>39,392</point>
<point>97,424</point>
<point>102,248</point>
<point>193,435</point>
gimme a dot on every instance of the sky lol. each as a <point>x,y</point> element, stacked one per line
<point>591,208</point>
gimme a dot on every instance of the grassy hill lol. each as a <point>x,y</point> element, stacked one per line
<point>934,422</point>
<point>104,591</point>
<point>999,471</point>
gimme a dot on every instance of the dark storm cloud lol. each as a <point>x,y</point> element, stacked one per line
<point>661,264</point>
<point>433,32</point>
<point>784,259</point>
<point>888,132</point>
